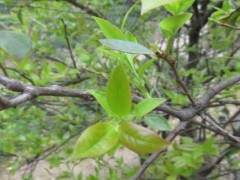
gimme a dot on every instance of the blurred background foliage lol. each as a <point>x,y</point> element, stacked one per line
<point>31,129</point>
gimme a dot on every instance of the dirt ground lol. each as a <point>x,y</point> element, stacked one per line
<point>86,167</point>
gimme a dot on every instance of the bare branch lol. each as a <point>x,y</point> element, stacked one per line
<point>172,63</point>
<point>220,129</point>
<point>211,93</point>
<point>30,92</point>
<point>203,101</point>
<point>84,8</point>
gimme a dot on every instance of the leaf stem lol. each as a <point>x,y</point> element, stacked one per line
<point>127,14</point>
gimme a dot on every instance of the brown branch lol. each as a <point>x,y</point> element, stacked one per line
<point>223,103</point>
<point>219,128</point>
<point>84,8</point>
<point>203,101</point>
<point>212,92</point>
<point>30,92</point>
<point>232,118</point>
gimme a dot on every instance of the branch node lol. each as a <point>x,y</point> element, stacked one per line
<point>32,91</point>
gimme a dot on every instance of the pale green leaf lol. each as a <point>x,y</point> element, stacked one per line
<point>109,30</point>
<point>147,105</point>
<point>148,5</point>
<point>101,98</point>
<point>178,7</point>
<point>157,122</point>
<point>119,92</point>
<point>126,46</point>
<point>140,139</point>
<point>15,44</point>
<point>96,141</point>
<point>171,25</point>
<point>145,66</point>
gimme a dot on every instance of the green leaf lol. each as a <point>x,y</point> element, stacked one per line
<point>109,30</point>
<point>119,92</point>
<point>96,141</point>
<point>171,25</point>
<point>141,70</point>
<point>231,18</point>
<point>140,139</point>
<point>209,147</point>
<point>15,44</point>
<point>126,46</point>
<point>178,7</point>
<point>157,122</point>
<point>147,5</point>
<point>101,98</point>
<point>147,105</point>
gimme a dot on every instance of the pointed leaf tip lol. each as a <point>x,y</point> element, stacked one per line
<point>119,92</point>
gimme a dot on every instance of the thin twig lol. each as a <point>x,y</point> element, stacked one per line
<point>22,74</point>
<point>68,44</point>
<point>172,63</point>
<point>215,125</point>
<point>3,70</point>
<point>84,8</point>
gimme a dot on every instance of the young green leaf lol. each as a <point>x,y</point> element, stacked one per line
<point>101,98</point>
<point>147,5</point>
<point>171,25</point>
<point>15,44</point>
<point>157,122</point>
<point>147,105</point>
<point>119,92</point>
<point>96,141</point>
<point>178,7</point>
<point>145,66</point>
<point>140,139</point>
<point>109,30</point>
<point>126,46</point>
